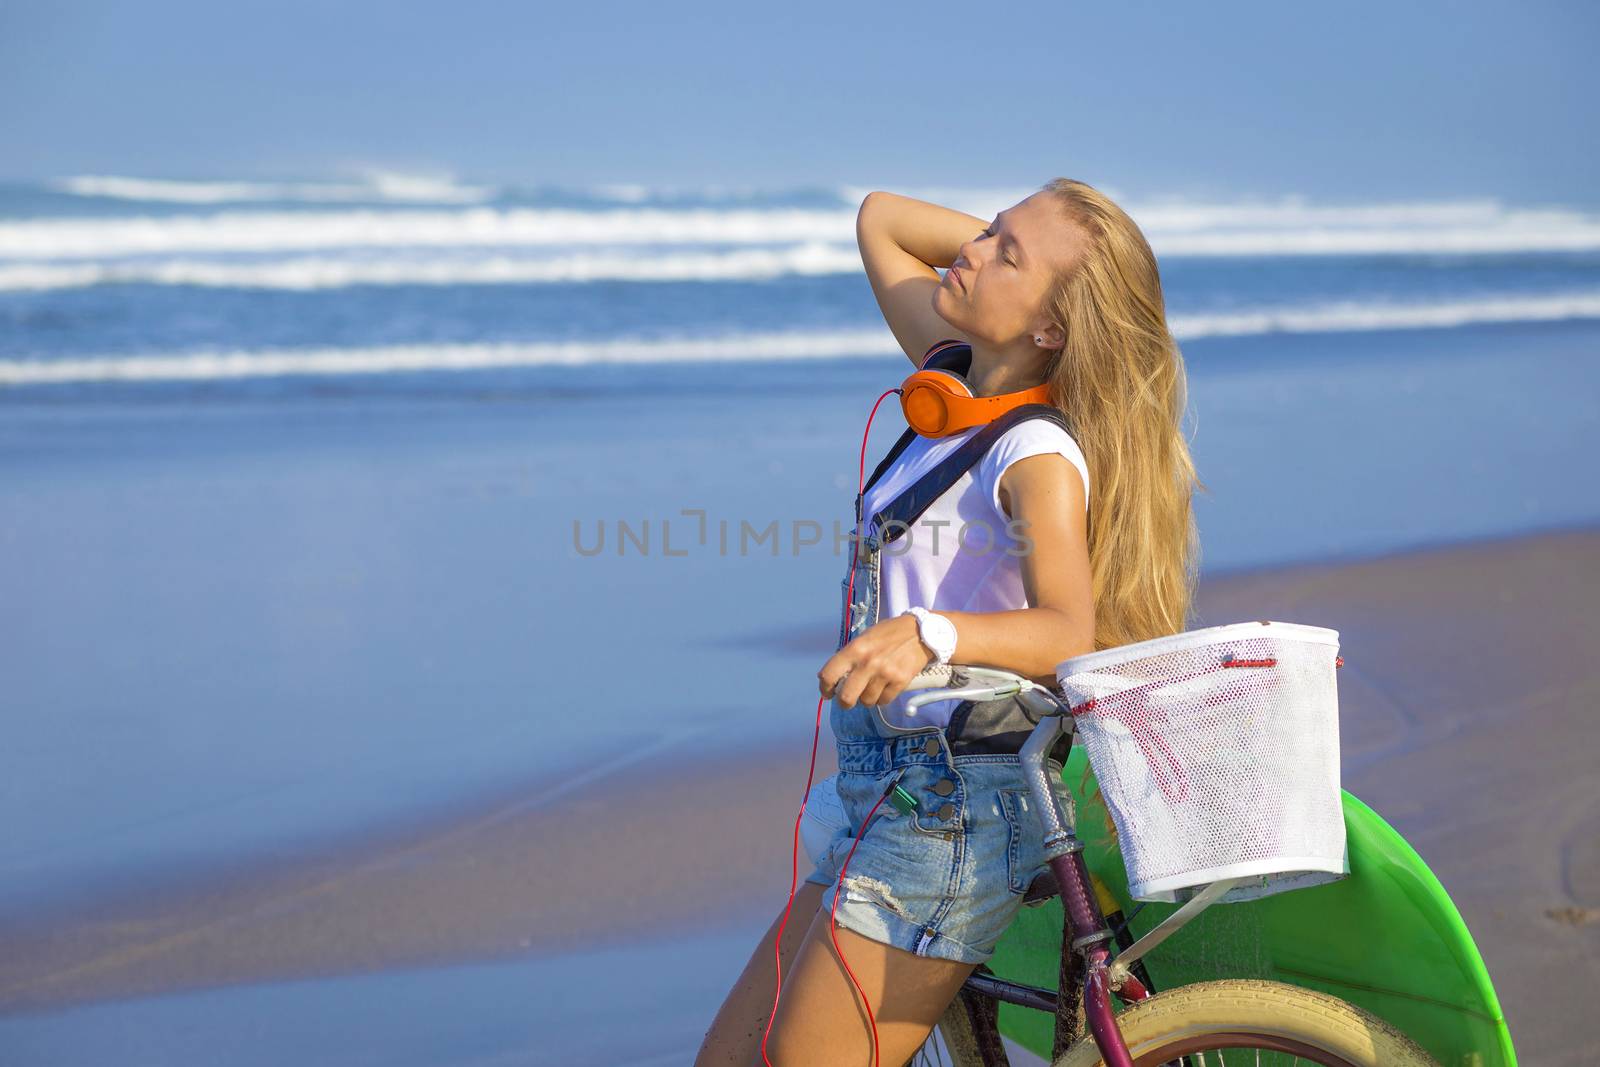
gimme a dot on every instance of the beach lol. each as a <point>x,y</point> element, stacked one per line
<point>411,608</point>
<point>1467,722</point>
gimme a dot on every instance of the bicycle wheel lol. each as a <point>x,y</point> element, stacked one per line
<point>1246,1022</point>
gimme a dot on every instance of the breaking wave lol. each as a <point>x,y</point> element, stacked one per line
<point>212,365</point>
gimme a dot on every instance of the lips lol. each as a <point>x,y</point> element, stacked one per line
<point>956,274</point>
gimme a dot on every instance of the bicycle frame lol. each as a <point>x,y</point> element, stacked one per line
<point>1425,978</point>
<point>1063,849</point>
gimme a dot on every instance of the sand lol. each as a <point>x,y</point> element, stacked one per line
<point>1468,699</point>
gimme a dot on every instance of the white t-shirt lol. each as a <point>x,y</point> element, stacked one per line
<point>955,556</point>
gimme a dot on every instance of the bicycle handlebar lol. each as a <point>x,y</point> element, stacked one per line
<point>978,684</point>
<point>931,675</point>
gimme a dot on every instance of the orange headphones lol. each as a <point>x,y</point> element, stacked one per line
<point>938,402</point>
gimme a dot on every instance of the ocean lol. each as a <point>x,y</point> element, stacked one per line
<point>299,481</point>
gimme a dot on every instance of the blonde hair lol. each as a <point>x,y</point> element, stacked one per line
<point>1120,380</point>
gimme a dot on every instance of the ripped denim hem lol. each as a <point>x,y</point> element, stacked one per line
<point>875,920</point>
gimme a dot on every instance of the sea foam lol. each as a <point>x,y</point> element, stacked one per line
<point>1173,229</point>
<point>752,347</point>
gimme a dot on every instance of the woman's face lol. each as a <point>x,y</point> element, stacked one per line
<point>996,288</point>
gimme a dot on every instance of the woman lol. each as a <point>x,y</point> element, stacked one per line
<point>1059,290</point>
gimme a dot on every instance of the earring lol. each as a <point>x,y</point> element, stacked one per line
<point>1037,339</point>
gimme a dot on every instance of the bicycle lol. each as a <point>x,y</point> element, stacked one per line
<point>1228,1020</point>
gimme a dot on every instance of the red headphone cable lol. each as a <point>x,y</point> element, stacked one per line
<point>794,858</point>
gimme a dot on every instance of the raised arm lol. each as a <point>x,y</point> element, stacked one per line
<point>904,244</point>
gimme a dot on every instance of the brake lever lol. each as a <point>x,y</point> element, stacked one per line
<point>993,684</point>
<point>974,693</point>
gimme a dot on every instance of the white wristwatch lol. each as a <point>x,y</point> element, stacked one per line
<point>937,632</point>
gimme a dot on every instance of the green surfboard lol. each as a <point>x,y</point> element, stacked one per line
<point>1386,938</point>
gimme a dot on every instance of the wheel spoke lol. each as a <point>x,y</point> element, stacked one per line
<point>1217,1055</point>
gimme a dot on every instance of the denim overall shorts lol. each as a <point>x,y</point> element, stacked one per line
<point>947,879</point>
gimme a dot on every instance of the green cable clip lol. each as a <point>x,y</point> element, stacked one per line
<point>903,800</point>
<point>898,796</point>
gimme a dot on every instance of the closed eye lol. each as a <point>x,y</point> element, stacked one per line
<point>990,233</point>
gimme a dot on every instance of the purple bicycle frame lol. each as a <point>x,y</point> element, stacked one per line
<point>1090,934</point>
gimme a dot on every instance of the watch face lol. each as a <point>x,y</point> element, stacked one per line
<point>941,635</point>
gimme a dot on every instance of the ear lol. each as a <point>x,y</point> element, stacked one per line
<point>1054,336</point>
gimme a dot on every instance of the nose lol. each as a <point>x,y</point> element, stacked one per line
<point>964,258</point>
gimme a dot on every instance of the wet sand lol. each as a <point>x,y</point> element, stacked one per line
<point>1469,700</point>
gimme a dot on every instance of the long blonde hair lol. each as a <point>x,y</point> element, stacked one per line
<point>1120,380</point>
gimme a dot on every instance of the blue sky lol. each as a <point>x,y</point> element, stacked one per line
<point>1337,101</point>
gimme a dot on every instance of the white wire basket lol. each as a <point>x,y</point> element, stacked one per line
<point>1217,753</point>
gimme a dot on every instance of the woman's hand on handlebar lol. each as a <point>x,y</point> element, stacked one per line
<point>875,667</point>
